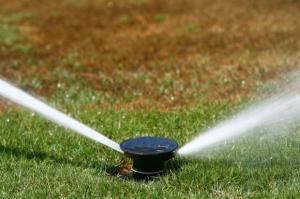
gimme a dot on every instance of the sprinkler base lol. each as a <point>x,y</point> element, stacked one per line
<point>148,154</point>
<point>131,175</point>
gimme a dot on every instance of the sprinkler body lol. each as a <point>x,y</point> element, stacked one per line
<point>148,154</point>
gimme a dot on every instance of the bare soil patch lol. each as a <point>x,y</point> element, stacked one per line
<point>163,54</point>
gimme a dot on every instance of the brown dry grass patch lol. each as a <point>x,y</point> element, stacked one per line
<point>164,53</point>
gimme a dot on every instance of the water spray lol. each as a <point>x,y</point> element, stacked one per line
<point>148,153</point>
<point>25,100</point>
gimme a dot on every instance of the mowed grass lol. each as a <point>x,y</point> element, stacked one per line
<point>138,67</point>
<point>40,159</point>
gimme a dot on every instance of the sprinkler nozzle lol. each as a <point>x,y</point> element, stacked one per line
<point>149,154</point>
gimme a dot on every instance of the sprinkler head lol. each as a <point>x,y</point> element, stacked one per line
<point>148,154</point>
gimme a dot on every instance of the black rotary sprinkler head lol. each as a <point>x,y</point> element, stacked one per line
<point>148,154</point>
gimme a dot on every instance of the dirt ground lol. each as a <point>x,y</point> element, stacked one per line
<point>152,54</point>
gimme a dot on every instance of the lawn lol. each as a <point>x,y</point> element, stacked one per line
<point>137,67</point>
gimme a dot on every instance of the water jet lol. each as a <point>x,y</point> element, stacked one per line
<point>148,154</point>
<point>33,104</point>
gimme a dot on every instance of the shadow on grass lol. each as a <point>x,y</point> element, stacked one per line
<point>124,171</point>
<point>112,170</point>
<point>175,165</point>
<point>42,156</point>
<point>172,166</point>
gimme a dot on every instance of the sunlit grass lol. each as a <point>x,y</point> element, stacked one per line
<point>40,159</point>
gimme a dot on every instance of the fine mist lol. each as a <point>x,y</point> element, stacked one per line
<point>280,111</point>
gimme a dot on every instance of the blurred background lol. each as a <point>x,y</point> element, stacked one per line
<point>145,54</point>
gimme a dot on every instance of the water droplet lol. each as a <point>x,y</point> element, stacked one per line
<point>243,82</point>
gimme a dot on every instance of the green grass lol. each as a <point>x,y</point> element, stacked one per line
<point>40,159</point>
<point>192,51</point>
<point>9,35</point>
